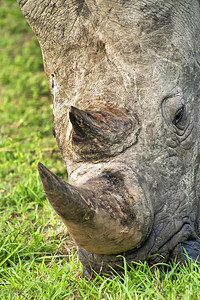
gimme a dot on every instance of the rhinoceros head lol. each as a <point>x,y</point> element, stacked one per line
<point>125,79</point>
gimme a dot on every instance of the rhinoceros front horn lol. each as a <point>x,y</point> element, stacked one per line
<point>65,199</point>
<point>100,219</point>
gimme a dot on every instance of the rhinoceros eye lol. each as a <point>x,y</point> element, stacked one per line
<point>179,116</point>
<point>174,111</point>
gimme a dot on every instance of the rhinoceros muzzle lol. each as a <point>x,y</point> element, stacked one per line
<point>108,210</point>
<point>107,215</point>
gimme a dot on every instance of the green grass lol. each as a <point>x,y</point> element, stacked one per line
<point>38,259</point>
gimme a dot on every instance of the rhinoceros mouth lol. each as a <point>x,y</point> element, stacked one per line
<point>174,247</point>
<point>182,246</point>
<point>191,249</point>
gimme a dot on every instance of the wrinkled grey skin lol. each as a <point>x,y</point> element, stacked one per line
<point>132,69</point>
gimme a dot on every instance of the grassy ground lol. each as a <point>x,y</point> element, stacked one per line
<point>38,260</point>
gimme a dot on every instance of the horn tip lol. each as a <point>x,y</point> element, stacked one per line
<point>44,172</point>
<point>41,168</point>
<point>39,165</point>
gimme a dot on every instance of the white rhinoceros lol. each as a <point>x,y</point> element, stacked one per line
<point>125,76</point>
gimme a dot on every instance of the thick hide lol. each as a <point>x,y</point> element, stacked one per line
<point>124,76</point>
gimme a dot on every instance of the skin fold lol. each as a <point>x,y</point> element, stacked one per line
<point>125,80</point>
